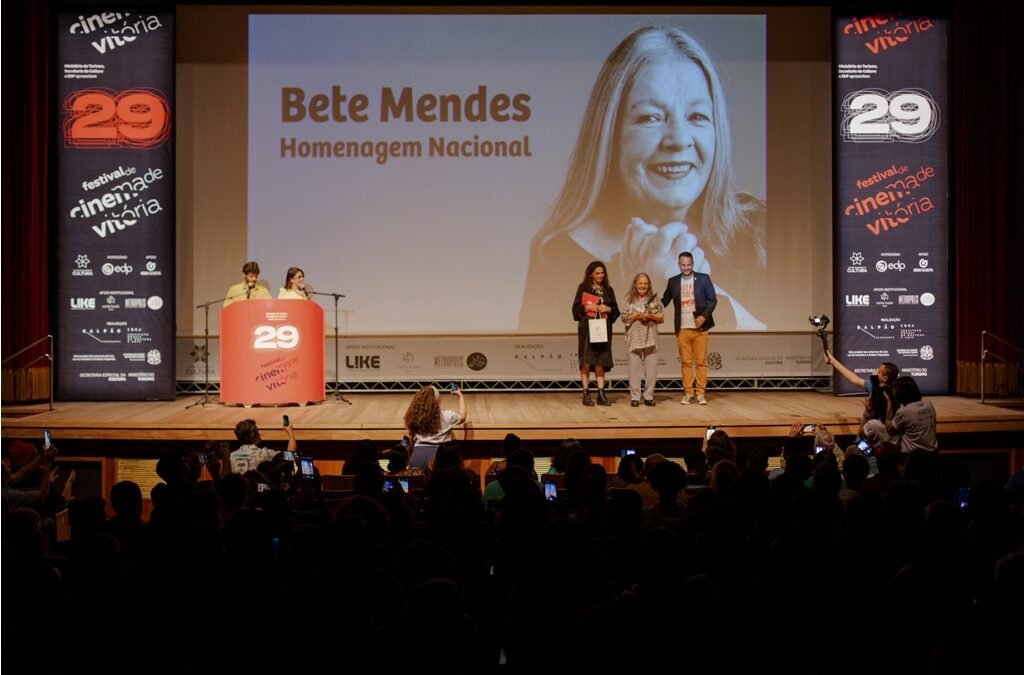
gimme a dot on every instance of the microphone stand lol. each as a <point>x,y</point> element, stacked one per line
<point>337,364</point>
<point>205,398</point>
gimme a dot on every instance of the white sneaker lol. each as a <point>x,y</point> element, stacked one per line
<point>701,400</point>
<point>687,400</point>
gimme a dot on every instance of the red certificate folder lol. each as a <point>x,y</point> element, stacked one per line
<point>590,299</point>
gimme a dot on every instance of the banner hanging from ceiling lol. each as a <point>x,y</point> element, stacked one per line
<point>891,196</point>
<point>115,215</point>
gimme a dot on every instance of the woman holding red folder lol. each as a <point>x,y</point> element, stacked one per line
<point>594,298</point>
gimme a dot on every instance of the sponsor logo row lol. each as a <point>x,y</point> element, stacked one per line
<point>110,302</point>
<point>895,264</point>
<point>116,265</point>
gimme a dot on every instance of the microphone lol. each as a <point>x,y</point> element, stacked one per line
<point>305,291</point>
<point>248,289</point>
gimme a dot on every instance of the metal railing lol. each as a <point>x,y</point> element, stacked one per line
<point>985,353</point>
<point>48,356</point>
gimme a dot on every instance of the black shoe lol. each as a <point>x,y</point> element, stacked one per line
<point>601,398</point>
<point>634,404</point>
<point>586,398</point>
<point>649,401</point>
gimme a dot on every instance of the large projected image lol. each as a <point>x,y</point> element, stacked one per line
<point>454,174</point>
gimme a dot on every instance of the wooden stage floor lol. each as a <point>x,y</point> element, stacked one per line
<point>538,416</point>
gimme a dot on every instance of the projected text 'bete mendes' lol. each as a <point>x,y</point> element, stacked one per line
<point>403,105</point>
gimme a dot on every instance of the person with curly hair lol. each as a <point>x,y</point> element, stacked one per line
<point>428,425</point>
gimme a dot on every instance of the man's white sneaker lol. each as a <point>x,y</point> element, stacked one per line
<point>687,400</point>
<point>701,400</point>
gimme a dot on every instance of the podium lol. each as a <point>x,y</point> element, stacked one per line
<point>272,351</point>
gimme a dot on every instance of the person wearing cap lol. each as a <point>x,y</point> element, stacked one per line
<point>248,288</point>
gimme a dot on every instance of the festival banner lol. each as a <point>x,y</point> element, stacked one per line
<point>525,358</point>
<point>891,196</point>
<point>115,214</point>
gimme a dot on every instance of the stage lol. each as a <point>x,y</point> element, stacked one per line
<point>540,416</point>
<point>111,441</point>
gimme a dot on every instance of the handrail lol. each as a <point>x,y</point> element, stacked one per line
<point>48,356</point>
<point>22,351</point>
<point>985,353</point>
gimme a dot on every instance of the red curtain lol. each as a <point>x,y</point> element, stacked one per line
<point>987,176</point>
<point>26,215</point>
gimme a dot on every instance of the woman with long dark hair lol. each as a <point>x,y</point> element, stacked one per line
<point>594,299</point>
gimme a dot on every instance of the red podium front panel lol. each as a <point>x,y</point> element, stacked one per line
<point>272,351</point>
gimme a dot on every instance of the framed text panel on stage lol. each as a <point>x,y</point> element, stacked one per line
<point>115,206</point>
<point>891,196</point>
<point>272,351</point>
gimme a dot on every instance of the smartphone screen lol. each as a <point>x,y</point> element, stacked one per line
<point>405,441</point>
<point>284,418</point>
<point>46,439</point>
<point>404,483</point>
<point>453,387</point>
<point>818,448</point>
<point>306,466</point>
<point>203,458</point>
<point>865,447</point>
<point>289,456</point>
<point>389,485</point>
<point>708,432</point>
<point>810,428</point>
<point>964,498</point>
<point>262,487</point>
<point>626,451</point>
<point>550,492</point>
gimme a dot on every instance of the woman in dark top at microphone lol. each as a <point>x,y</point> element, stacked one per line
<point>295,287</point>
<point>594,298</point>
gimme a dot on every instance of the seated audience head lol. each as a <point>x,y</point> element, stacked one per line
<point>523,458</point>
<point>906,390</point>
<point>652,461</point>
<point>720,446</point>
<point>560,456</point>
<point>449,456</point>
<point>364,452</point>
<point>510,444</point>
<point>668,479</point>
<point>247,432</point>
<point>631,469</point>
<point>855,470</point>
<point>723,475</point>
<point>126,499</point>
<point>398,459</point>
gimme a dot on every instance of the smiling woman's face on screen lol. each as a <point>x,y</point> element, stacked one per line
<point>667,139</point>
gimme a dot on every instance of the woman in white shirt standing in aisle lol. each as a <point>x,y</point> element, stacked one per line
<point>294,286</point>
<point>427,423</point>
<point>642,315</point>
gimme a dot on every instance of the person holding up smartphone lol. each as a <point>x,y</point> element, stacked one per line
<point>250,454</point>
<point>430,426</point>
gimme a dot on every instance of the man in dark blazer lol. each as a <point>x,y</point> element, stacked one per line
<point>694,297</point>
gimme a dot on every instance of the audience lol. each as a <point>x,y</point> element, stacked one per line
<point>437,583</point>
